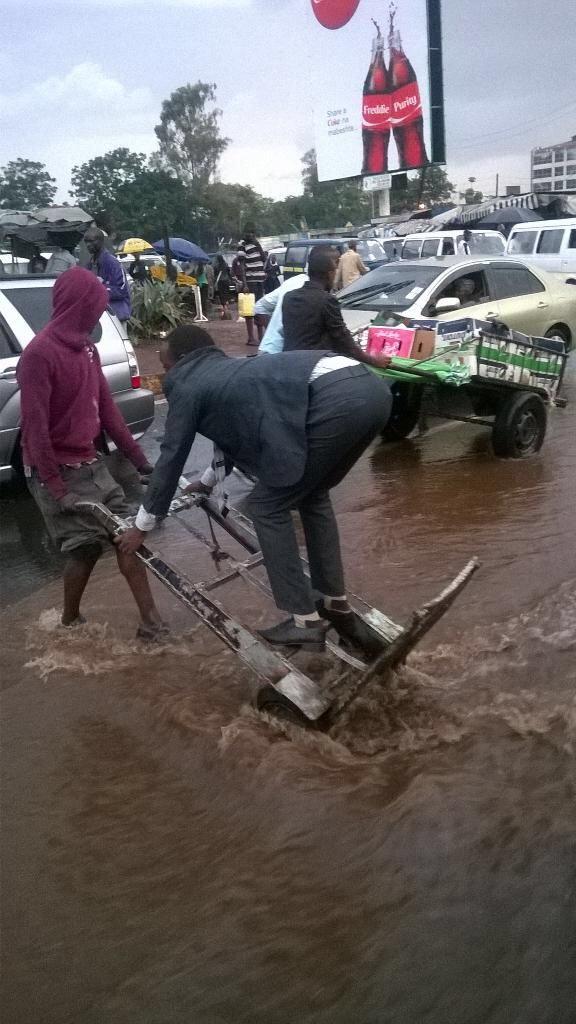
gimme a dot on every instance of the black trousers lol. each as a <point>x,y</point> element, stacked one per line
<point>348,407</point>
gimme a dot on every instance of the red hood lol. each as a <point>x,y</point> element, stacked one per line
<point>78,301</point>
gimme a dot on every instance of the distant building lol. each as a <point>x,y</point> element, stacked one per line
<point>553,169</point>
<point>513,190</point>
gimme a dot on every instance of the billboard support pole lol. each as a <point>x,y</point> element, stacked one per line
<point>383,202</point>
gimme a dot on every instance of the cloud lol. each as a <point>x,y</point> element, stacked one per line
<point>62,102</point>
<point>67,119</point>
<point>272,169</point>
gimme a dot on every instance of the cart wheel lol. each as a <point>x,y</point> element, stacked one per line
<point>520,427</point>
<point>276,704</point>
<point>407,400</point>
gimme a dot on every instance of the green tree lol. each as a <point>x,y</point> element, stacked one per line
<point>95,184</point>
<point>25,184</point>
<point>330,203</point>
<point>227,208</point>
<point>287,216</point>
<point>148,203</point>
<point>190,142</point>
<point>426,189</point>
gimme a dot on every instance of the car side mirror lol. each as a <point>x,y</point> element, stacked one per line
<point>447,305</point>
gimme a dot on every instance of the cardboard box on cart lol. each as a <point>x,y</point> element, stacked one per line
<point>407,342</point>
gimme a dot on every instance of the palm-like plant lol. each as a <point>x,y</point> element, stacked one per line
<point>156,307</point>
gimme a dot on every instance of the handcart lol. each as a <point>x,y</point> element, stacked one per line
<point>282,688</point>
<point>485,374</point>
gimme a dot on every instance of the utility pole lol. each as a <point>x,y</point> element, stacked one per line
<point>497,185</point>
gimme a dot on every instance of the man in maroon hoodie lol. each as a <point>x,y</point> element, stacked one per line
<point>66,404</point>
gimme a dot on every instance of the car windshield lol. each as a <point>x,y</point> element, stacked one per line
<point>522,242</point>
<point>35,306</point>
<point>487,245</point>
<point>394,287</point>
<point>370,250</point>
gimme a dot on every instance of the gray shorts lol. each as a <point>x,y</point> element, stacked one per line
<point>90,483</point>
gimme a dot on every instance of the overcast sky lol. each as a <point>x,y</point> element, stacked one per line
<point>80,77</point>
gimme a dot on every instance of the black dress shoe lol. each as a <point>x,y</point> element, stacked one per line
<point>311,637</point>
<point>351,627</point>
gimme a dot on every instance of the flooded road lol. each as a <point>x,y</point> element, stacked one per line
<point>169,855</point>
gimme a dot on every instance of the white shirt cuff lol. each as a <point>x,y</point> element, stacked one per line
<point>144,521</point>
<point>208,478</point>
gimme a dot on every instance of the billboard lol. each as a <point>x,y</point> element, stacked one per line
<point>377,80</point>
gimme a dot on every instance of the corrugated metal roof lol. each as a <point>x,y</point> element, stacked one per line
<point>527,201</point>
<point>58,213</point>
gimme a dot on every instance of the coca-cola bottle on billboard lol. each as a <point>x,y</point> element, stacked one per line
<point>406,105</point>
<point>376,111</point>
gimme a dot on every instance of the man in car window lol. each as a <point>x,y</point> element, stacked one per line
<point>110,271</point>
<point>465,290</point>
<point>66,404</point>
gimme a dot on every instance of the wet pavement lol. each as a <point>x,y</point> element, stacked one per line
<point>170,855</point>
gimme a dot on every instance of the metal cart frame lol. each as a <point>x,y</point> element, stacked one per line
<point>282,689</point>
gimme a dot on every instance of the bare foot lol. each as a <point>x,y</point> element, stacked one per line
<point>153,632</point>
<point>78,620</point>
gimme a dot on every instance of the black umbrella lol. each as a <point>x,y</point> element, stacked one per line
<point>509,215</point>
<point>25,240</point>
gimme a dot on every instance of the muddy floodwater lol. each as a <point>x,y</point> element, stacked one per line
<point>171,856</point>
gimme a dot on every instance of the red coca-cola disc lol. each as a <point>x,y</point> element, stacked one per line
<point>334,13</point>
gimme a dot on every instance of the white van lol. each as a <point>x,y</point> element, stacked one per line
<point>549,244</point>
<point>446,243</point>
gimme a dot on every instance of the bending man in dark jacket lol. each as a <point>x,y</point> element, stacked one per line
<point>298,421</point>
<point>311,319</point>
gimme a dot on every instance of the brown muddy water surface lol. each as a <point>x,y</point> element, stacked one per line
<point>171,856</point>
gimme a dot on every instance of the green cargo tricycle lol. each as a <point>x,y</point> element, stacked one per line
<point>489,375</point>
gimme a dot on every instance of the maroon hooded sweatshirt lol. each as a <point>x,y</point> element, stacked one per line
<point>65,398</point>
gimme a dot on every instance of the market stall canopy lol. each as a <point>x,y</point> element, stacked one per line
<point>135,245</point>
<point>182,249</point>
<point>24,240</point>
<point>70,214</point>
<point>550,205</point>
<point>15,219</point>
<point>418,225</point>
<point>513,215</point>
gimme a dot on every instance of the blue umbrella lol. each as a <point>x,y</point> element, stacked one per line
<point>182,249</point>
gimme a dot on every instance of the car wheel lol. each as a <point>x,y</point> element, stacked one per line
<point>560,333</point>
<point>407,401</point>
<point>520,427</point>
